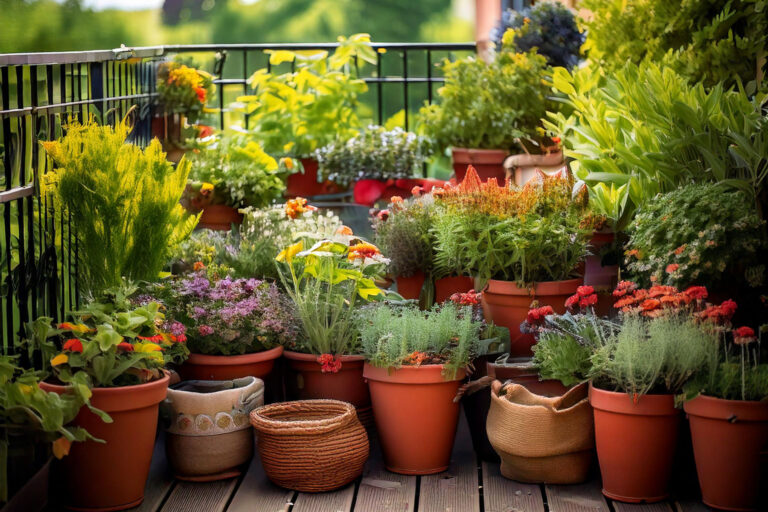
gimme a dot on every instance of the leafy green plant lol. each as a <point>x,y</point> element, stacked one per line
<point>298,112</point>
<point>231,170</point>
<point>644,130</point>
<point>698,234</point>
<point>123,202</point>
<point>395,336</point>
<point>374,154</point>
<point>183,89</point>
<point>489,105</point>
<point>405,236</point>
<point>710,41</point>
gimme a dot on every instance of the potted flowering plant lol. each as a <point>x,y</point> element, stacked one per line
<point>415,361</point>
<point>328,281</point>
<point>235,327</point>
<point>112,354</point>
<point>728,411</point>
<point>526,243</point>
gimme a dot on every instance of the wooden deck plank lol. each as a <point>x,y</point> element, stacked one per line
<point>503,495</point>
<point>335,501</point>
<point>383,491</point>
<point>193,496</point>
<point>160,481</point>
<point>256,492</point>
<point>576,498</point>
<point>691,505</point>
<point>642,507</point>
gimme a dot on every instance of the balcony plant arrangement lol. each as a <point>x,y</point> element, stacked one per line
<point>114,355</point>
<point>728,411</point>
<point>635,376</point>
<point>522,244</point>
<point>298,112</point>
<point>227,173</point>
<point>487,109</point>
<point>415,361</point>
<point>329,281</point>
<point>235,327</point>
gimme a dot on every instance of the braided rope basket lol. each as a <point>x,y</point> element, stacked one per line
<point>310,445</point>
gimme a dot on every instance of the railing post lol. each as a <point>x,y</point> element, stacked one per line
<point>96,84</point>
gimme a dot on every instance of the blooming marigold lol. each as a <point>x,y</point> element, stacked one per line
<point>296,207</point>
<point>329,363</point>
<point>73,345</point>
<point>362,250</point>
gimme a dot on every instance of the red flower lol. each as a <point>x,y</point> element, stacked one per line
<point>572,300</point>
<point>204,131</point>
<point>696,292</point>
<point>73,345</point>
<point>383,215</point>
<point>743,335</point>
<point>625,302</point>
<point>125,347</point>
<point>729,308</point>
<point>200,94</point>
<point>583,291</point>
<point>650,304</point>
<point>672,267</point>
<point>157,338</point>
<point>329,363</point>
<point>589,300</point>
<point>469,298</point>
<point>181,338</point>
<point>416,191</point>
<point>680,249</point>
<point>556,140</point>
<point>623,288</point>
<point>536,316</point>
<point>660,291</point>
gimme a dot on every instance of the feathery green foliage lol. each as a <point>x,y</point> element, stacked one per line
<point>405,237</point>
<point>123,202</point>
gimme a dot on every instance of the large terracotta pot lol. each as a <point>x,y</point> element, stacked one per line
<point>507,305</point>
<point>636,444</point>
<point>487,162</point>
<point>447,286</point>
<point>112,475</point>
<point>306,185</point>
<point>219,217</point>
<point>410,287</point>
<point>206,367</point>
<point>415,415</point>
<point>595,274</point>
<point>730,444</point>
<point>522,167</point>
<point>209,434</point>
<point>521,370</point>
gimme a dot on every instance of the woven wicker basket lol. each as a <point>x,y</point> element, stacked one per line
<point>310,445</point>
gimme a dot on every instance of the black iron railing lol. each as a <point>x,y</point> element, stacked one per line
<point>39,92</point>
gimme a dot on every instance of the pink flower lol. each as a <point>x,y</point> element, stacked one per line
<point>205,330</point>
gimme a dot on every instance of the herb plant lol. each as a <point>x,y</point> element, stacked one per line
<point>405,236</point>
<point>374,154</point>
<point>183,89</point>
<point>123,202</point>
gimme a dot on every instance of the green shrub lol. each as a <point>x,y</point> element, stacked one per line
<point>405,236</point>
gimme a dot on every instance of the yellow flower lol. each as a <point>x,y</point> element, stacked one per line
<point>146,347</point>
<point>25,388</point>
<point>61,447</point>
<point>289,252</point>
<point>59,359</point>
<point>206,187</point>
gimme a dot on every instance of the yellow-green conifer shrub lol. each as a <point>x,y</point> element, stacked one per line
<point>123,201</point>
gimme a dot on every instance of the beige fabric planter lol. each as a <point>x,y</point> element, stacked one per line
<point>209,436</point>
<point>522,168</point>
<point>541,439</point>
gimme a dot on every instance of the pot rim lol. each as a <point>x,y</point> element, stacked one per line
<point>302,356</point>
<point>732,411</point>
<point>479,151</point>
<point>423,374</point>
<point>621,403</point>
<point>255,382</point>
<point>119,398</point>
<point>540,288</point>
<point>255,357</point>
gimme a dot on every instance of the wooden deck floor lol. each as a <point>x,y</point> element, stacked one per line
<point>466,487</point>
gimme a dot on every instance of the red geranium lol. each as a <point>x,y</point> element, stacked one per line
<point>583,291</point>
<point>572,300</point>
<point>329,363</point>
<point>536,316</point>
<point>743,335</point>
<point>696,292</point>
<point>589,300</point>
<point>623,288</point>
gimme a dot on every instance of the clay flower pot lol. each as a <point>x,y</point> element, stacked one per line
<point>447,286</point>
<point>729,442</point>
<point>523,167</point>
<point>306,185</point>
<point>209,434</point>
<point>636,444</point>
<point>219,217</point>
<point>487,162</point>
<point>410,287</point>
<point>507,305</point>
<point>112,475</point>
<point>595,274</point>
<point>415,415</point>
<point>206,367</point>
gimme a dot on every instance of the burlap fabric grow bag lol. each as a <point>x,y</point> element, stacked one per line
<point>310,445</point>
<point>541,439</point>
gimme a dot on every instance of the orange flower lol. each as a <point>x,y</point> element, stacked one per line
<point>416,358</point>
<point>650,304</point>
<point>59,359</point>
<point>295,207</point>
<point>633,252</point>
<point>125,347</point>
<point>61,447</point>
<point>344,230</point>
<point>672,267</point>
<point>73,345</point>
<point>200,94</point>
<point>680,249</point>
<point>362,250</point>
<point>659,291</point>
<point>198,266</point>
<point>396,200</point>
<point>416,191</point>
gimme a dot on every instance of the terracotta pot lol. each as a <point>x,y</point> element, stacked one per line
<point>219,217</point>
<point>307,381</point>
<point>206,367</point>
<point>306,185</point>
<point>522,167</point>
<point>415,415</point>
<point>595,274</point>
<point>410,287</point>
<point>730,444</point>
<point>112,475</point>
<point>520,370</point>
<point>487,162</point>
<point>635,444</point>
<point>447,286</point>
<point>209,434</point>
<point>507,305</point>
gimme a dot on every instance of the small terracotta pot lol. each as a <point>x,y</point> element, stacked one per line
<point>306,185</point>
<point>730,443</point>
<point>219,217</point>
<point>307,381</point>
<point>595,274</point>
<point>487,162</point>
<point>507,305</point>
<point>522,167</point>
<point>112,475</point>
<point>447,286</point>
<point>410,287</point>
<point>521,370</point>
<point>415,415</point>
<point>206,367</point>
<point>636,444</point>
